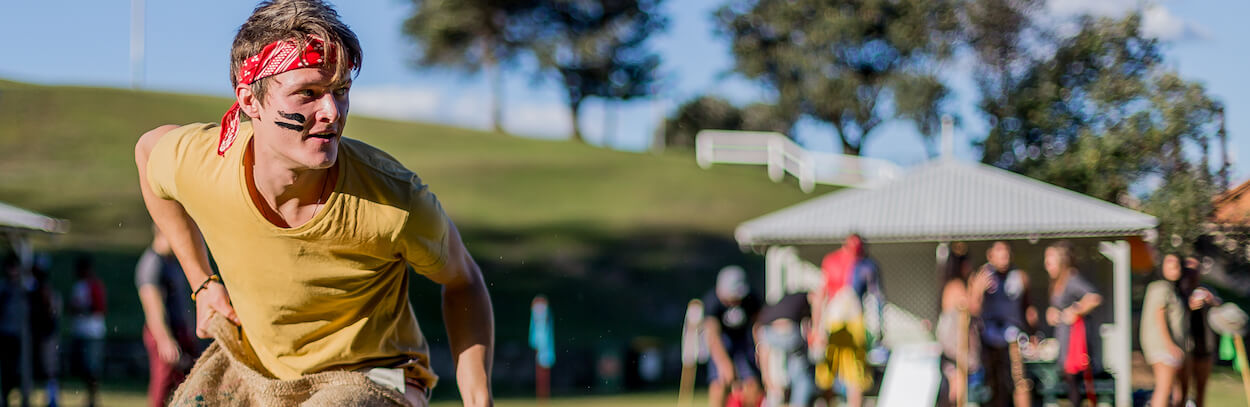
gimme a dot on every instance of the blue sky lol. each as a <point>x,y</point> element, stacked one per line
<point>187,46</point>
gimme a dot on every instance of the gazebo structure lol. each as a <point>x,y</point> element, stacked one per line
<point>16,226</point>
<point>907,224</point>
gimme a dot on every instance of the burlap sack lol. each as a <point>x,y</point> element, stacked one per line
<point>229,374</point>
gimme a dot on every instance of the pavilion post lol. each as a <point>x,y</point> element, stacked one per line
<point>774,274</point>
<point>1122,344</point>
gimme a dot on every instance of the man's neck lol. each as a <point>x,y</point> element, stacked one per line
<point>287,196</point>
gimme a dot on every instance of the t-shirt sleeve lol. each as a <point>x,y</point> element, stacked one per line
<point>712,307</point>
<point>148,271</point>
<point>424,237</point>
<point>163,161</point>
<point>1081,287</point>
<point>1156,297</point>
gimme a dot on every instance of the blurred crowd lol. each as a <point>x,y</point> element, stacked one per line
<point>33,352</point>
<point>809,348</point>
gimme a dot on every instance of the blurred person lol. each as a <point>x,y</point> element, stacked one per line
<point>169,318</point>
<point>542,340</point>
<point>304,223</point>
<point>15,291</point>
<point>1201,355</point>
<point>1006,313</point>
<point>956,328</point>
<point>841,336</point>
<point>87,307</point>
<point>1164,330</point>
<point>45,320</point>
<point>781,333</point>
<point>729,314</point>
<point>1072,299</point>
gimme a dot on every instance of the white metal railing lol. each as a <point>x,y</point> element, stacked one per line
<point>782,156</point>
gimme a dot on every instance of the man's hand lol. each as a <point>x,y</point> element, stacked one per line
<point>1030,316</point>
<point>1052,316</point>
<point>213,299</point>
<point>167,349</point>
<point>982,281</point>
<point>1069,316</point>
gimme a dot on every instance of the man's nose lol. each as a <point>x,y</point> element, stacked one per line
<point>329,108</point>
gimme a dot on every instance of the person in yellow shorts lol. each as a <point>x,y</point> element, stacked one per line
<point>312,232</point>
<point>841,343</point>
<point>845,357</point>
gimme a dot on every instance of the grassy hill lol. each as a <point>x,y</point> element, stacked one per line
<point>68,152</point>
<point>618,241</point>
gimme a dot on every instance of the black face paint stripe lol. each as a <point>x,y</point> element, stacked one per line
<point>299,118</point>
<point>290,126</point>
<point>293,116</point>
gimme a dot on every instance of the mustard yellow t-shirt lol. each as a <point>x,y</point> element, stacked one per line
<point>331,293</point>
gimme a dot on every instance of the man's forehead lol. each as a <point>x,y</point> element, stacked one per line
<point>313,76</point>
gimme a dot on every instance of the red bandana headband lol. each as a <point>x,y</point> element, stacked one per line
<point>275,58</point>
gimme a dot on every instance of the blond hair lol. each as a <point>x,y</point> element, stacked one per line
<point>277,20</point>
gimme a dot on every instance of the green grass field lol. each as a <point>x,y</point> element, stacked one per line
<point>1225,391</point>
<point>119,396</point>
<point>571,220</point>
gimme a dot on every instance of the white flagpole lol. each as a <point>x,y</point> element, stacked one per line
<point>137,11</point>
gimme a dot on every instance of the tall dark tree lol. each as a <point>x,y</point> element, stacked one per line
<point>701,113</point>
<point>471,36</point>
<point>599,49</point>
<point>715,113</point>
<point>1001,34</point>
<point>1101,115</point>
<point>851,63</point>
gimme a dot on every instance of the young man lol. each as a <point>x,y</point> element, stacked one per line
<point>1001,294</point>
<point>169,318</point>
<point>312,232</point>
<point>728,323</point>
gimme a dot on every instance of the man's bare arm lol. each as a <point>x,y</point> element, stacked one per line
<point>184,237</point>
<point>470,322</point>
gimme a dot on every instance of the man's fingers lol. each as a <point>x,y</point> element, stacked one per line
<point>228,311</point>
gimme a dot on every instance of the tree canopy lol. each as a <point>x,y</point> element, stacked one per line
<point>472,35</point>
<point>853,64</point>
<point>712,112</point>
<point>599,49</point>
<point>1102,115</point>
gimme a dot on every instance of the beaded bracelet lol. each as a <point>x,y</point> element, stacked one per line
<point>204,285</point>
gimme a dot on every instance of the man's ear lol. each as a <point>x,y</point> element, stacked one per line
<point>248,102</point>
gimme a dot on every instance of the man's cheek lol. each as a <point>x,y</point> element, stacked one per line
<point>295,123</point>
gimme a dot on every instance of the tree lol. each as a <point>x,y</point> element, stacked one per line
<point>712,112</point>
<point>998,33</point>
<point>851,63</point>
<point>599,49</point>
<point>765,117</point>
<point>703,112</point>
<point>1101,115</point>
<point>473,35</point>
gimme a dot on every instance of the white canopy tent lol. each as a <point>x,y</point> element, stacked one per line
<point>907,220</point>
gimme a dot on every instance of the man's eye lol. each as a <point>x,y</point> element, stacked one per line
<point>308,93</point>
<point>341,91</point>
